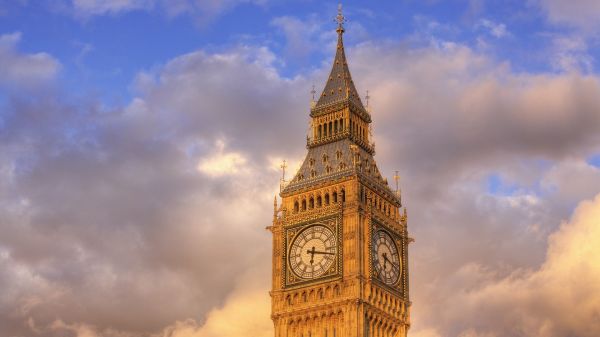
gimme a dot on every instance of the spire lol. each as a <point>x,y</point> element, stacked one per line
<point>339,86</point>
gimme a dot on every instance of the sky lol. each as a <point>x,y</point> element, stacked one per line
<point>140,144</point>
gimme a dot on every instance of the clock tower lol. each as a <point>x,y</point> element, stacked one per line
<point>340,241</point>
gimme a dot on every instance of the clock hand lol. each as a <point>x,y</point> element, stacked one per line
<point>328,253</point>
<point>312,254</point>
<point>385,258</point>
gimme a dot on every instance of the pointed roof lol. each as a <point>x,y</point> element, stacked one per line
<point>339,86</point>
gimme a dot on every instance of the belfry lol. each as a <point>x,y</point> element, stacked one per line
<point>340,241</point>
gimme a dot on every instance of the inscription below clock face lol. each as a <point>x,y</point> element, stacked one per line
<point>387,265</point>
<point>313,252</point>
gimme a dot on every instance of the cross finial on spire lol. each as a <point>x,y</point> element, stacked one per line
<point>283,167</point>
<point>313,92</point>
<point>367,98</point>
<point>340,19</point>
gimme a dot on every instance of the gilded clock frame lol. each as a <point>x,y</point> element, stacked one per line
<point>334,223</point>
<point>399,240</point>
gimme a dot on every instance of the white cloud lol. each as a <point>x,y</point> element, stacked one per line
<point>100,7</point>
<point>222,163</point>
<point>20,70</point>
<point>497,30</point>
<point>570,53</point>
<point>202,11</point>
<point>558,299</point>
<point>246,312</point>
<point>579,13</point>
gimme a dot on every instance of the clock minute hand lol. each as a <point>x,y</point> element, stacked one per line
<point>392,263</point>
<point>328,253</point>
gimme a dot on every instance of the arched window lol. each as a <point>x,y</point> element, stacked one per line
<point>319,201</point>
<point>334,195</point>
<point>335,126</point>
<point>296,207</point>
<point>304,297</point>
<point>320,134</point>
<point>341,125</point>
<point>304,204</point>
<point>311,203</point>
<point>326,199</point>
<point>330,128</point>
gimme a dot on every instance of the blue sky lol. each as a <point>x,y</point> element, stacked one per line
<point>101,51</point>
<point>141,142</point>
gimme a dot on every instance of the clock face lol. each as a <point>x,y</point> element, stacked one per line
<point>313,251</point>
<point>387,265</point>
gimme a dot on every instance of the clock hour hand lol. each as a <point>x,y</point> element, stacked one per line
<point>312,254</point>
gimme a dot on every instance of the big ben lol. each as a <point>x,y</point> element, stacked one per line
<point>340,240</point>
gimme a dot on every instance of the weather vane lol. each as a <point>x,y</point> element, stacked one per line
<point>368,97</point>
<point>313,92</point>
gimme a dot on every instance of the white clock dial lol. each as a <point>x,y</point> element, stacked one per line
<point>313,252</point>
<point>387,265</point>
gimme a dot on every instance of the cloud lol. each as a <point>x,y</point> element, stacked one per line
<point>110,229</point>
<point>570,54</point>
<point>246,312</point>
<point>101,7</point>
<point>202,11</point>
<point>222,163</point>
<point>497,30</point>
<point>558,299</point>
<point>579,13</point>
<point>104,214</point>
<point>20,70</point>
<point>303,36</point>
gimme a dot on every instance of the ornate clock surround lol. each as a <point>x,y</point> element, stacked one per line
<point>400,286</point>
<point>332,222</point>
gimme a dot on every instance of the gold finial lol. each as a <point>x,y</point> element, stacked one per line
<point>340,19</point>
<point>367,98</point>
<point>397,180</point>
